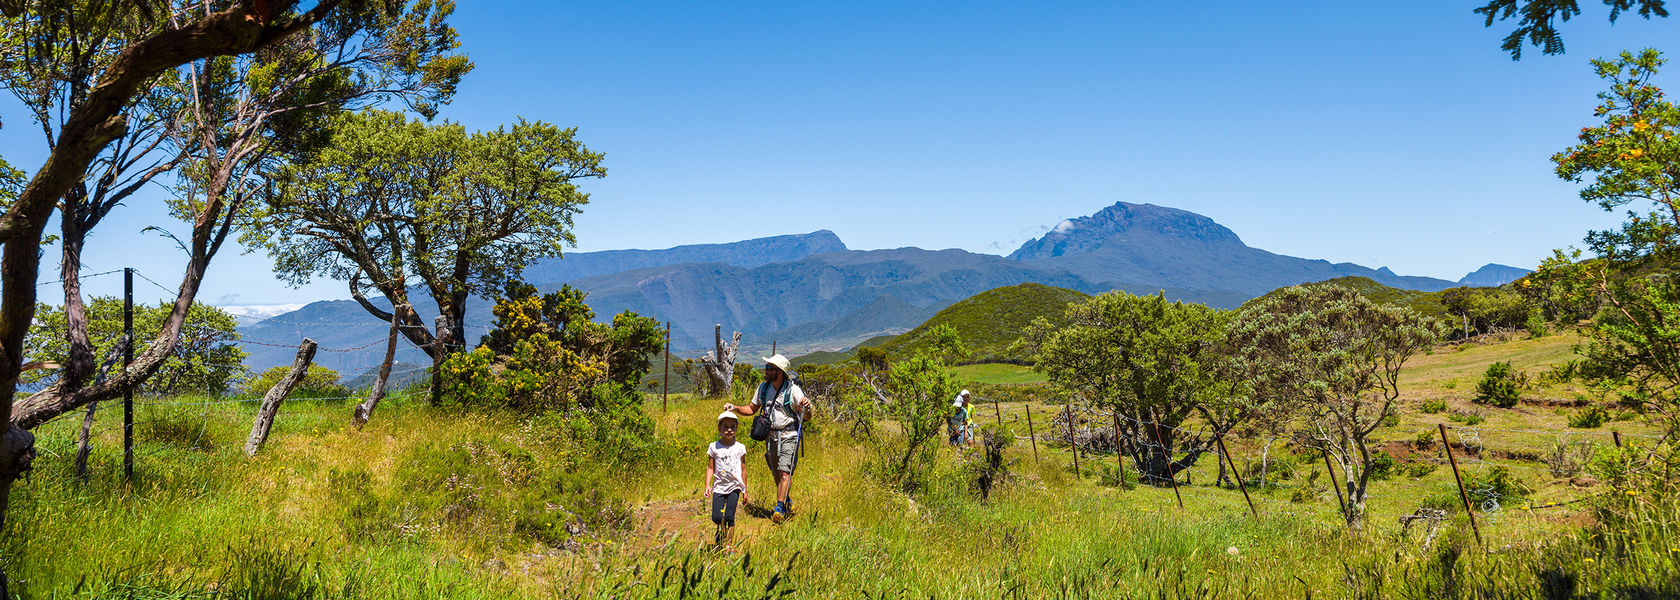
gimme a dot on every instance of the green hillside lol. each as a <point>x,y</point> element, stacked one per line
<point>1428,303</point>
<point>992,320</point>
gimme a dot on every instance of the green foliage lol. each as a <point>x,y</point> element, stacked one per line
<point>1495,487</point>
<point>1467,418</point>
<point>1431,407</point>
<point>392,200</point>
<point>552,355</point>
<point>1633,343</point>
<point>1537,20</point>
<point>920,389</point>
<point>1150,359</point>
<point>1338,354</point>
<point>206,359</point>
<point>1431,304</point>
<point>1484,310</point>
<point>1590,417</point>
<point>1499,386</point>
<point>318,382</point>
<point>991,322</point>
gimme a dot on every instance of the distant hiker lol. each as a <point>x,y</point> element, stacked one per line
<point>726,478</point>
<point>957,423</point>
<point>786,409</point>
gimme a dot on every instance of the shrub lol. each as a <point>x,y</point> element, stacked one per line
<point>989,468</point>
<point>1498,386</point>
<point>1589,418</point>
<point>1420,470</point>
<point>1567,459</point>
<point>1471,419</point>
<point>318,382</point>
<point>1431,407</point>
<point>1488,489</point>
<point>1382,467</point>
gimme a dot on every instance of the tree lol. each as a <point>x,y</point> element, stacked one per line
<point>1633,161</point>
<point>231,116</point>
<point>555,356</point>
<point>1337,354</point>
<point>393,202</point>
<point>1156,363</point>
<point>1536,19</point>
<point>206,359</point>
<point>193,31</point>
<point>918,394</point>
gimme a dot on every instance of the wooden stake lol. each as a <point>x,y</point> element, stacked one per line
<point>1171,478</point>
<point>998,411</point>
<point>1119,457</point>
<point>1072,443</point>
<point>1331,470</point>
<point>277,394</point>
<point>1617,437</point>
<point>1031,435</point>
<point>665,395</point>
<point>1240,485</point>
<point>1462,495</point>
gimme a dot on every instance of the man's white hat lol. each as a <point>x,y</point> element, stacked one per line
<point>964,393</point>
<point>780,361</point>
<point>728,414</point>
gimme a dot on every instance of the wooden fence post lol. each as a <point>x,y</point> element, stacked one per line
<point>1031,435</point>
<point>1616,436</point>
<point>1171,478</point>
<point>1240,485</point>
<point>1460,479</point>
<point>364,411</point>
<point>1330,470</point>
<point>1119,456</point>
<point>1073,444</point>
<point>277,394</point>
<point>665,394</point>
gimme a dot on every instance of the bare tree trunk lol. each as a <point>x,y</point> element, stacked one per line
<point>82,446</point>
<point>276,395</point>
<point>364,411</point>
<point>442,350</point>
<point>720,363</point>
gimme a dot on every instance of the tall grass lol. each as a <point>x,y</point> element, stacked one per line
<point>427,503</point>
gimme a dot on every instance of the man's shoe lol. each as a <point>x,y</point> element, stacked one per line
<point>779,515</point>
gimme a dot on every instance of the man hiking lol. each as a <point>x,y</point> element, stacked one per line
<point>787,408</point>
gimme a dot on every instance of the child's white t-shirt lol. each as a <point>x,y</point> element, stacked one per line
<point>728,466</point>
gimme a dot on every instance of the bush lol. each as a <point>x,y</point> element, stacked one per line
<point>1590,417</point>
<point>1382,467</point>
<point>1471,419</point>
<point>1567,459</point>
<point>989,468</point>
<point>1431,407</point>
<point>1497,485</point>
<point>318,382</point>
<point>1499,386</point>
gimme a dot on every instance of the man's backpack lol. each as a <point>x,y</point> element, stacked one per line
<point>761,419</point>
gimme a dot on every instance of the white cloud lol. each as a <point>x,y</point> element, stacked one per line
<point>258,312</point>
<point>1065,226</point>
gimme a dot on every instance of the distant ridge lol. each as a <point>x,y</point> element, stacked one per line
<point>808,292</point>
<point>748,253</point>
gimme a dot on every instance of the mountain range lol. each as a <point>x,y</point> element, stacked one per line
<point>810,292</point>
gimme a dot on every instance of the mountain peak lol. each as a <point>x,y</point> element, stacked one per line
<point>1493,275</point>
<point>1124,222</point>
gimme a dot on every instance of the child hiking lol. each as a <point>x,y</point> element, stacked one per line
<point>726,478</point>
<point>958,423</point>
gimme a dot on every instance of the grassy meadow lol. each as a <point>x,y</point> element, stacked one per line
<point>439,503</point>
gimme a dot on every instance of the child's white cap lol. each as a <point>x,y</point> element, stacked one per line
<point>728,414</point>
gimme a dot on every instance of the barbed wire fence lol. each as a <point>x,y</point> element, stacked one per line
<point>1480,452</point>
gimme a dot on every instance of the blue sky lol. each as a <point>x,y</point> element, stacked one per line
<point>1337,130</point>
